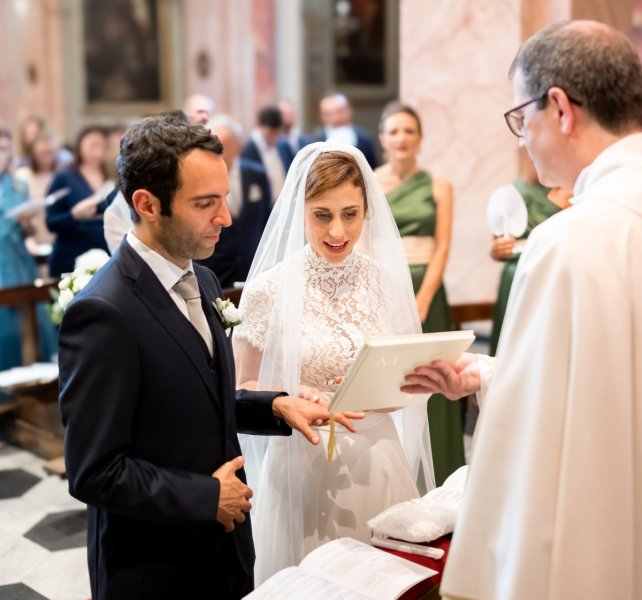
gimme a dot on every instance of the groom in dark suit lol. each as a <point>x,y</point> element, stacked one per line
<point>148,387</point>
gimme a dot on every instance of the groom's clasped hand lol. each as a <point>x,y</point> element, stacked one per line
<point>234,495</point>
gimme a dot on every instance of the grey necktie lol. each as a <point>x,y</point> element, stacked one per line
<point>187,288</point>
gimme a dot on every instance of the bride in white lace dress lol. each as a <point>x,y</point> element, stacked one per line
<point>329,273</point>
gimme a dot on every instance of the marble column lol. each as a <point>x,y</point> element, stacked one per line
<point>454,63</point>
<point>31,70</point>
<point>455,57</point>
<point>230,52</point>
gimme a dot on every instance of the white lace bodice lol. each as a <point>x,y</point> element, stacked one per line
<point>342,305</point>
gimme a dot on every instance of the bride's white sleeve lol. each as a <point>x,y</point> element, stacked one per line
<point>249,337</point>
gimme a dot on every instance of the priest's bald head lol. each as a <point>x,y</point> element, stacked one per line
<point>578,89</point>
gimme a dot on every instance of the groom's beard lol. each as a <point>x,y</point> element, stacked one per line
<point>179,241</point>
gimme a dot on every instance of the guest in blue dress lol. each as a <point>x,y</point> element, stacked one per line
<point>76,219</point>
<point>17,266</point>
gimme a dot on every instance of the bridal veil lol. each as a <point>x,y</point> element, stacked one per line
<point>278,365</point>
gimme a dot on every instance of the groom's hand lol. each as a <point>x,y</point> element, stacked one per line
<point>300,414</point>
<point>234,497</point>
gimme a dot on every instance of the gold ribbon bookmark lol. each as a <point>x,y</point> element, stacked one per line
<point>331,439</point>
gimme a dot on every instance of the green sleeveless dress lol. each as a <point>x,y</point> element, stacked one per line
<point>413,207</point>
<point>539,208</point>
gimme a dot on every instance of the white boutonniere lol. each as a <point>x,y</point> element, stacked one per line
<point>228,313</point>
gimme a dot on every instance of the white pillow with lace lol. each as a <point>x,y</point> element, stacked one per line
<point>424,519</point>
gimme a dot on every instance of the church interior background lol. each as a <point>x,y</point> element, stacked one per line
<point>112,61</point>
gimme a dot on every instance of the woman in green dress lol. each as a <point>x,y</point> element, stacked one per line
<point>422,207</point>
<point>541,203</point>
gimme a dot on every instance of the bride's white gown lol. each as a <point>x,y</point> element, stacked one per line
<point>303,501</point>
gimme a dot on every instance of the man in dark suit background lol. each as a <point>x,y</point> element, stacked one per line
<point>292,140</point>
<point>335,113</point>
<point>249,202</point>
<point>267,147</point>
<point>147,387</point>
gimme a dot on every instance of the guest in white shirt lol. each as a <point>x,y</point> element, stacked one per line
<point>117,220</point>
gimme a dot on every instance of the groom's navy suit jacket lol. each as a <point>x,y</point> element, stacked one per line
<point>148,418</point>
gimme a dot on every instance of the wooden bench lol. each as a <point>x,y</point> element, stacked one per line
<point>25,298</point>
<point>233,294</point>
<point>31,419</point>
<point>467,313</point>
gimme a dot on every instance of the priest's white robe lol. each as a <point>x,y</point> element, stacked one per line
<point>553,504</point>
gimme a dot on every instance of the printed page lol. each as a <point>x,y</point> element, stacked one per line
<point>366,570</point>
<point>294,583</point>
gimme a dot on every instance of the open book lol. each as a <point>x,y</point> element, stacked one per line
<point>374,379</point>
<point>344,569</point>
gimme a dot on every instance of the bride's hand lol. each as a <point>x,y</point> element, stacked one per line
<point>310,393</point>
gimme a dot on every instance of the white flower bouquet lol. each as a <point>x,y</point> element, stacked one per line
<point>85,268</point>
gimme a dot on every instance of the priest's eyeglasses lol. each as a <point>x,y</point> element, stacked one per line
<point>515,116</point>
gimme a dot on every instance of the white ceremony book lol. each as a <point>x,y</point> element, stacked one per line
<point>379,370</point>
<point>344,569</point>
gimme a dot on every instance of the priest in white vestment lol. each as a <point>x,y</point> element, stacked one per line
<point>553,504</point>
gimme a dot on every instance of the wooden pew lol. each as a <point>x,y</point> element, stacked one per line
<point>233,294</point>
<point>25,298</point>
<point>466,313</point>
<point>32,420</point>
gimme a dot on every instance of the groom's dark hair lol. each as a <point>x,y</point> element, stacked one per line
<point>150,154</point>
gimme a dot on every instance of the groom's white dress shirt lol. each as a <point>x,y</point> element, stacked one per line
<point>167,273</point>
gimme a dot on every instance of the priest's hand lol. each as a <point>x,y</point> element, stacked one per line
<point>453,381</point>
<point>300,414</point>
<point>234,496</point>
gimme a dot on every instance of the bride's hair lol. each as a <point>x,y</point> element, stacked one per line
<point>332,169</point>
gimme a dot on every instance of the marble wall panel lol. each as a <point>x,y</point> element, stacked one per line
<point>454,62</point>
<point>238,40</point>
<point>31,72</point>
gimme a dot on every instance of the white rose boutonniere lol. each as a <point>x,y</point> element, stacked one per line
<point>230,315</point>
